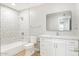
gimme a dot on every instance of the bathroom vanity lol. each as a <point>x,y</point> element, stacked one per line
<point>58,45</point>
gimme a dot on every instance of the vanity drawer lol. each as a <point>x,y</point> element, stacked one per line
<point>72,42</point>
<point>71,46</point>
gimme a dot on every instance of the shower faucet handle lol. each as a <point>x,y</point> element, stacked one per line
<point>22,33</point>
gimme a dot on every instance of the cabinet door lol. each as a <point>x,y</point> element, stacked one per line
<point>47,47</point>
<point>60,47</point>
<point>52,51</point>
<point>71,47</point>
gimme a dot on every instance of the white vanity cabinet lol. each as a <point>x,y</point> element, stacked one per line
<point>52,47</point>
<point>58,47</point>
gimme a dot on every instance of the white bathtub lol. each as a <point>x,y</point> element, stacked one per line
<point>12,49</point>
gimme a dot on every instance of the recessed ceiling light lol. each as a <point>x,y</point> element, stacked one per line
<point>13,4</point>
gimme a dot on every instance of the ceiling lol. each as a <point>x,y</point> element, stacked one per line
<point>21,6</point>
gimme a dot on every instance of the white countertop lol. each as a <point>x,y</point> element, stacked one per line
<point>59,37</point>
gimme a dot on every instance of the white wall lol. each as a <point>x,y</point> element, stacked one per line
<point>24,25</point>
<point>38,18</point>
<point>0,25</point>
<point>77,18</point>
<point>9,25</point>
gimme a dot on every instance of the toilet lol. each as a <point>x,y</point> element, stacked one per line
<point>30,46</point>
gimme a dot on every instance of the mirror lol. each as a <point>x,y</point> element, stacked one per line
<point>60,21</point>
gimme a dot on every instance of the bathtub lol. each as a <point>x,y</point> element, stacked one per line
<point>12,49</point>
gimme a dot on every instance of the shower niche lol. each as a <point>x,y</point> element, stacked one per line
<point>60,21</point>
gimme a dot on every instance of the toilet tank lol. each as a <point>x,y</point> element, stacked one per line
<point>33,39</point>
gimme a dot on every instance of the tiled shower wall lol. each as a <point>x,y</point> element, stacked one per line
<point>9,25</point>
<point>24,25</point>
